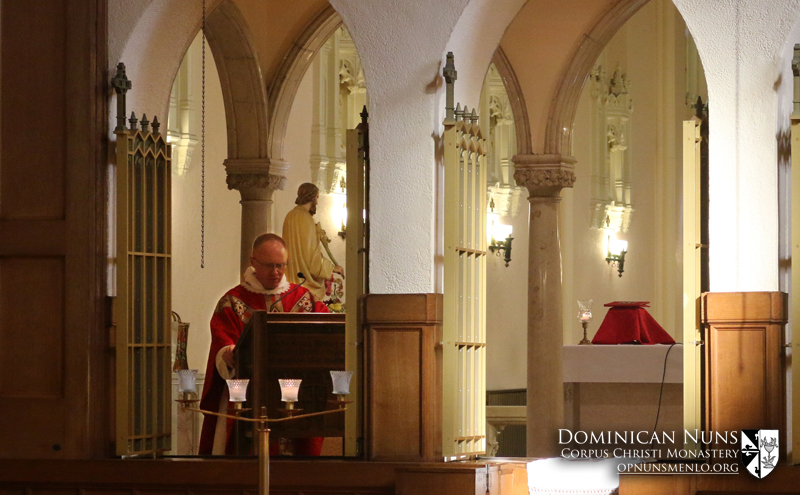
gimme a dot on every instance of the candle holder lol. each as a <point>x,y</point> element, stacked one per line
<point>585,316</point>
<point>187,386</point>
<point>341,388</point>
<point>238,390</point>
<point>290,389</point>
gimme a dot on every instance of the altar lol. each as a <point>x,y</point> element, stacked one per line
<point>610,388</point>
<point>618,387</point>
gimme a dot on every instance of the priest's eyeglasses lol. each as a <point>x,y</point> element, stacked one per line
<point>272,266</point>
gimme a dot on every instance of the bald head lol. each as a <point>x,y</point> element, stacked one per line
<point>269,259</point>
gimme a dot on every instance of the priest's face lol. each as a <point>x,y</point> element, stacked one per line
<point>269,262</point>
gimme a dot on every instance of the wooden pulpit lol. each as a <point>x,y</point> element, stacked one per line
<point>305,346</point>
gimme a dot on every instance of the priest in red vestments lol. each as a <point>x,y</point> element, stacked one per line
<point>264,285</point>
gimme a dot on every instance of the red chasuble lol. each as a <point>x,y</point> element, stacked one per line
<point>230,317</point>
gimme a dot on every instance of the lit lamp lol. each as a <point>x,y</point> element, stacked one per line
<point>617,249</point>
<point>585,316</point>
<point>343,232</point>
<point>496,232</point>
<point>290,389</point>
<point>237,391</point>
<point>341,386</point>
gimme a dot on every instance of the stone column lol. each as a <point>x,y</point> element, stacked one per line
<point>255,179</point>
<point>544,176</point>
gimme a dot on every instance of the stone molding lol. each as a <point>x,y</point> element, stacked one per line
<point>544,175</point>
<point>253,177</point>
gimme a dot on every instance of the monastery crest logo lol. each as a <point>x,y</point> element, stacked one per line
<point>760,451</point>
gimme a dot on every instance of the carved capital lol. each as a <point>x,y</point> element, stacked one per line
<point>253,178</point>
<point>544,175</point>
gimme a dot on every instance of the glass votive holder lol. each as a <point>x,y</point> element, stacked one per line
<point>341,382</point>
<point>187,381</point>
<point>237,389</point>
<point>585,311</point>
<point>290,388</point>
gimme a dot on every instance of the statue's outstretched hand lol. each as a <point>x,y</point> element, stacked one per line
<point>338,269</point>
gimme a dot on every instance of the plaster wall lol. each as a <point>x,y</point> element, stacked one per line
<point>195,290</point>
<point>740,43</point>
<point>634,49</point>
<point>507,310</point>
<point>297,153</point>
<point>401,46</point>
<point>637,49</point>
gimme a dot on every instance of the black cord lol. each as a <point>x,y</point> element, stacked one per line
<point>661,393</point>
<point>203,149</point>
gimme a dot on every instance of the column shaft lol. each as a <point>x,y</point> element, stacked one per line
<point>544,176</point>
<point>545,409</point>
<point>256,180</point>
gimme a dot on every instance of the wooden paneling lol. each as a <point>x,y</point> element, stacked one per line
<point>404,376</point>
<point>235,477</point>
<point>744,366</point>
<point>33,119</point>
<point>32,340</point>
<point>396,402</point>
<point>53,157</point>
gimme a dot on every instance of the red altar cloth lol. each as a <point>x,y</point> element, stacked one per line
<point>628,322</point>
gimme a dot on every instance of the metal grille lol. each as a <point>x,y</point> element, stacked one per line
<point>142,306</point>
<point>464,319</point>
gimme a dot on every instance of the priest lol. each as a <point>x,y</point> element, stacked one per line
<point>264,288</point>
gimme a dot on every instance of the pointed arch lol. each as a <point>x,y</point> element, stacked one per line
<point>517,100</point>
<point>156,46</point>
<point>561,115</point>
<point>243,88</point>
<point>283,87</point>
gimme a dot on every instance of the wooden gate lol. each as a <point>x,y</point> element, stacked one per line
<point>692,385</point>
<point>465,245</point>
<point>143,281</point>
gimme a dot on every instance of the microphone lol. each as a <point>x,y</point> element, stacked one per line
<point>299,275</point>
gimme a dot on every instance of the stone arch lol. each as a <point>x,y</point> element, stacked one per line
<point>558,134</point>
<point>157,44</point>
<point>283,87</point>
<point>243,88</point>
<point>517,99</point>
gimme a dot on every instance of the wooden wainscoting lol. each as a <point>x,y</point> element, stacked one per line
<point>403,399</point>
<point>744,365</point>
<point>240,476</point>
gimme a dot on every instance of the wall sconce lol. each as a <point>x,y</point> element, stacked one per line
<point>343,232</point>
<point>617,249</point>
<point>499,235</point>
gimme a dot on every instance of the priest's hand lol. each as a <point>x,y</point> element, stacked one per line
<point>227,356</point>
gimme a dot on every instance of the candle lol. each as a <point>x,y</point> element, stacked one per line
<point>289,389</point>
<point>237,389</point>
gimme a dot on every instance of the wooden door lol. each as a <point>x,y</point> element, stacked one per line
<point>53,384</point>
